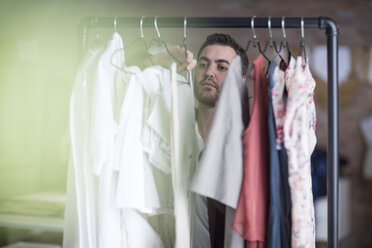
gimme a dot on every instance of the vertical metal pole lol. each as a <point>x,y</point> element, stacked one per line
<point>333,159</point>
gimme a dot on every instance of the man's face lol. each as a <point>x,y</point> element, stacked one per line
<point>211,70</point>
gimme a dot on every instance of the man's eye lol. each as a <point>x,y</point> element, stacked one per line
<point>203,65</point>
<point>222,68</point>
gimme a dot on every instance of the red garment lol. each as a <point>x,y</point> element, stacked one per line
<point>251,215</point>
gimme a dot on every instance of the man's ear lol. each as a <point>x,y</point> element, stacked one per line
<point>245,78</point>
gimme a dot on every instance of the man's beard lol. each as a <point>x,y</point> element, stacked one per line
<point>207,99</point>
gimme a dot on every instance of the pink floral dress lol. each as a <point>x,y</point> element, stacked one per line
<point>299,141</point>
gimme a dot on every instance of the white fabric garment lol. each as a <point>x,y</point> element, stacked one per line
<point>102,124</point>
<point>137,232</point>
<point>102,141</point>
<point>120,185</point>
<point>133,169</point>
<point>140,185</point>
<point>80,226</point>
<point>182,133</point>
<point>144,153</point>
<point>144,144</point>
<point>92,130</point>
<point>222,159</point>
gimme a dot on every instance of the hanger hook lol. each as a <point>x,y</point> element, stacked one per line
<point>253,31</point>
<point>115,24</point>
<point>184,35</point>
<point>252,26</point>
<point>302,44</point>
<point>302,29</point>
<point>270,31</point>
<point>283,28</point>
<point>156,26</point>
<point>184,27</point>
<point>141,26</point>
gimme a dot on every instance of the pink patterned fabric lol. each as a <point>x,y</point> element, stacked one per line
<point>277,94</point>
<point>299,140</point>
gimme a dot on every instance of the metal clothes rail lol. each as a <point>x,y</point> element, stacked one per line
<point>331,31</point>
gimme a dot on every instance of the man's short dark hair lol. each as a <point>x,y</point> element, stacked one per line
<point>226,40</point>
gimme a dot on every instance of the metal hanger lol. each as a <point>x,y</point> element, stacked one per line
<point>284,42</point>
<point>97,42</point>
<point>160,41</point>
<point>255,42</point>
<point>271,42</point>
<point>141,39</point>
<point>262,51</point>
<point>116,51</point>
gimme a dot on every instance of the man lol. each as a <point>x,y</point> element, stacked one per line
<point>214,58</point>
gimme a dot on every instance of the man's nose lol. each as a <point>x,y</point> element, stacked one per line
<point>210,72</point>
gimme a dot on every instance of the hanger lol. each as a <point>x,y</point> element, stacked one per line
<point>97,42</point>
<point>161,42</point>
<point>141,38</point>
<point>116,51</point>
<point>284,43</point>
<point>140,41</point>
<point>255,42</point>
<point>262,51</point>
<point>271,42</point>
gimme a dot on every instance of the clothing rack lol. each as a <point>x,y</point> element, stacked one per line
<point>331,30</point>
